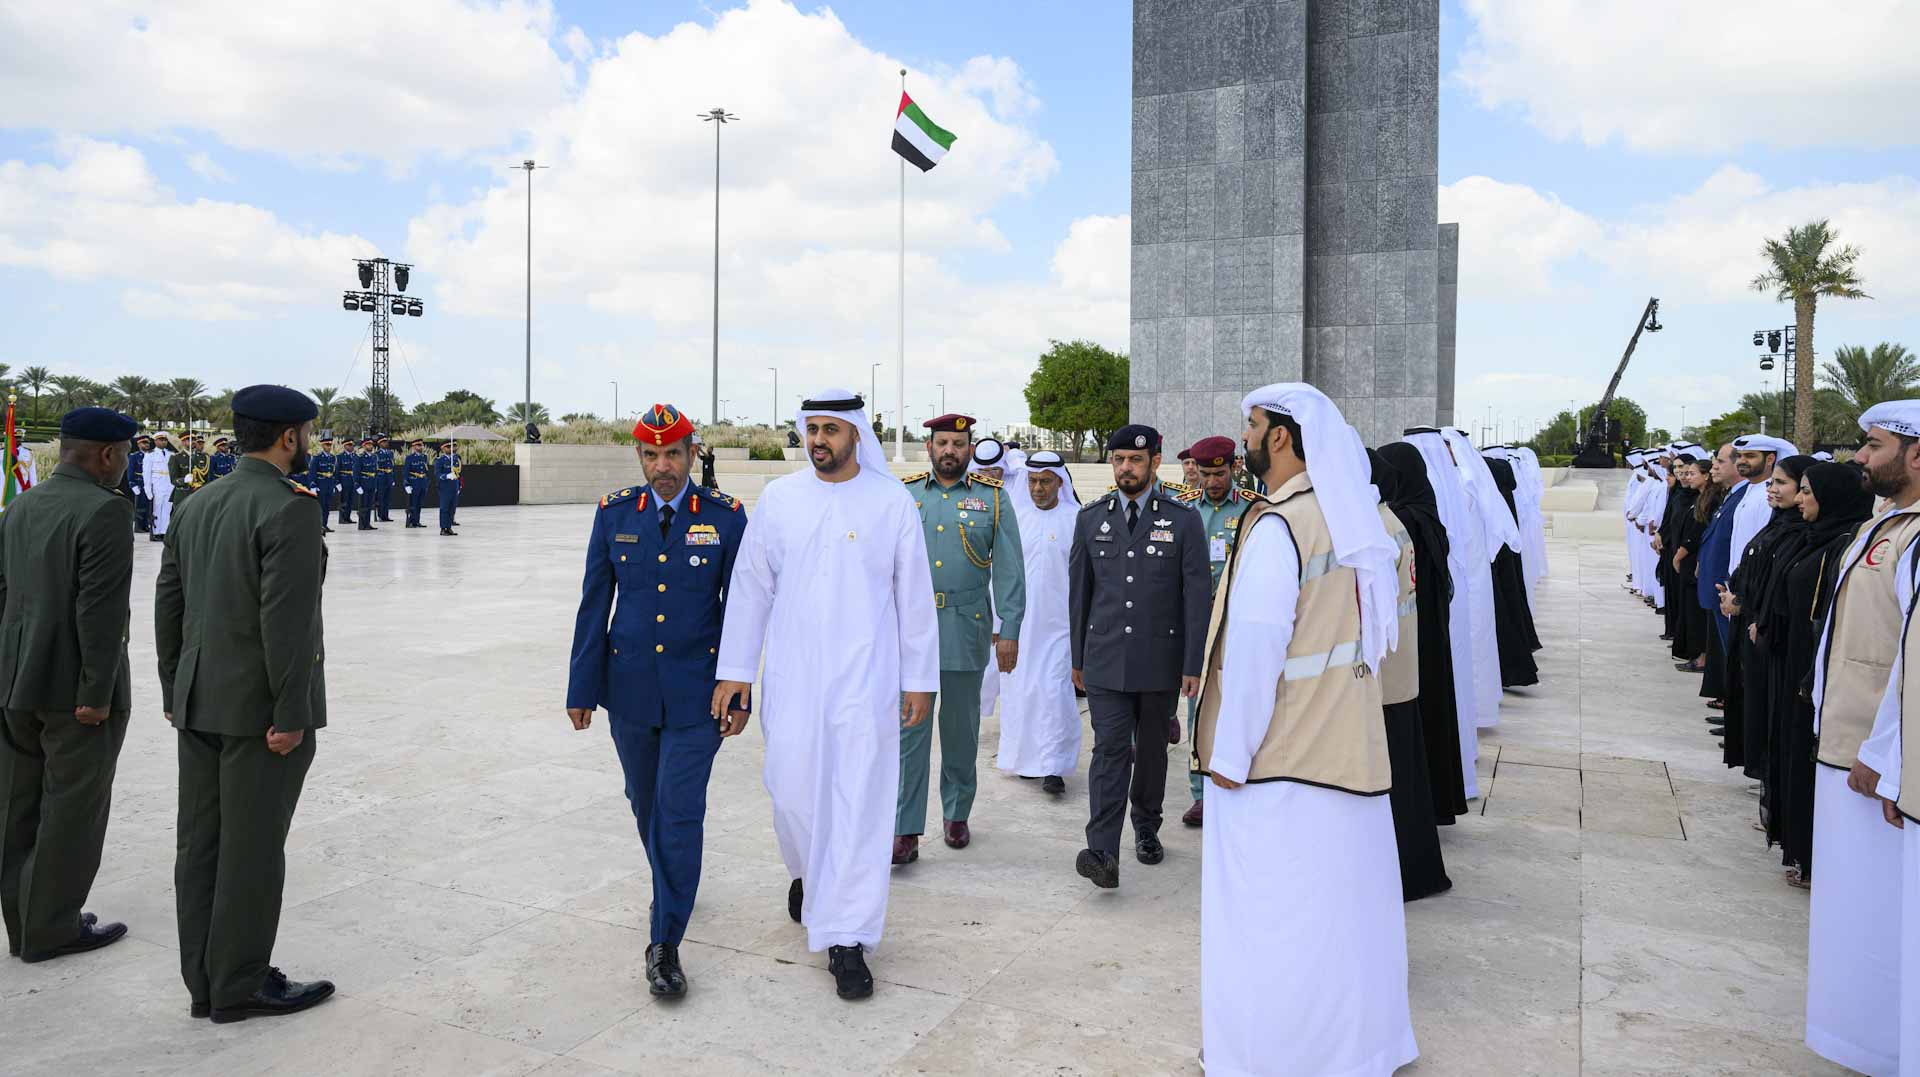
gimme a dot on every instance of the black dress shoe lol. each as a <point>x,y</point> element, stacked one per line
<point>1149,850</point>
<point>851,979</point>
<point>446,531</point>
<point>277,997</point>
<point>1053,783</point>
<point>1666,635</point>
<point>664,977</point>
<point>795,895</point>
<point>1098,868</point>
<point>93,936</point>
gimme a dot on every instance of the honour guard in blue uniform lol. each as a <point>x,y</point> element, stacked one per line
<point>324,470</point>
<point>1220,502</point>
<point>973,548</point>
<point>446,473</point>
<point>383,480</point>
<point>347,468</point>
<point>222,461</point>
<point>137,482</point>
<point>417,472</point>
<point>659,561</point>
<point>366,476</point>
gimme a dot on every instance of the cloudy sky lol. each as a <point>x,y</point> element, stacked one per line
<point>184,187</point>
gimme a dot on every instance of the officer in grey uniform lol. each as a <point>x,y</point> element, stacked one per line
<point>1138,599</point>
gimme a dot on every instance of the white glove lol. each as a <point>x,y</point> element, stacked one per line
<point>359,489</point>
<point>409,489</point>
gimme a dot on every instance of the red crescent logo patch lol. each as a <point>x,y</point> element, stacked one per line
<point>1877,553</point>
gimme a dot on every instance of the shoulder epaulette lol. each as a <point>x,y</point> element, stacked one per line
<point>1101,500</point>
<point>623,494</point>
<point>911,479</point>
<point>299,489</point>
<point>721,498</point>
<point>987,480</point>
<point>1187,496</point>
<point>1180,490</point>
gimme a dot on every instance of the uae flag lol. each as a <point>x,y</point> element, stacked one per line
<point>917,138</point>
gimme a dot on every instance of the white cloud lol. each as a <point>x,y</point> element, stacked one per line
<point>1512,237</point>
<point>1704,76</point>
<point>207,168</point>
<point>623,222</point>
<point>310,79</point>
<point>100,214</point>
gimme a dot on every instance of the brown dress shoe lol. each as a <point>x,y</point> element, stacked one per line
<point>958,836</point>
<point>906,848</point>
<point>1194,814</point>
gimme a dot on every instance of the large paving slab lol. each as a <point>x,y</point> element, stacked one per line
<point>464,866</point>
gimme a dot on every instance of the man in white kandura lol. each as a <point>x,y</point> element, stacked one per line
<point>1854,914</point>
<point>1497,529</point>
<point>1466,558</point>
<point>832,579</point>
<point>1890,753</point>
<point>1039,716</point>
<point>1303,939</point>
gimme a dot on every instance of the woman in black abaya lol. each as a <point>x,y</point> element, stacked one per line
<point>1746,745</point>
<point>1512,613</point>
<point>1833,502</point>
<point>1422,870</point>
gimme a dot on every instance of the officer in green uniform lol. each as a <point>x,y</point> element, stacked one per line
<point>188,469</point>
<point>246,551</point>
<point>1221,502</point>
<point>66,571</point>
<point>973,544</point>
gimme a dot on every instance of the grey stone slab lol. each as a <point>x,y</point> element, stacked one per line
<point>1257,207</point>
<point>1200,208</point>
<point>1423,138</point>
<point>1230,49</point>
<point>1289,195</point>
<point>1263,120</point>
<point>1230,345</point>
<point>1423,286</point>
<point>1423,207</point>
<point>1145,134</point>
<point>1360,217</point>
<point>1142,338</point>
<point>1144,407</point>
<point>1230,200</point>
<point>1202,126</point>
<point>1197,370</point>
<point>1289,127</point>
<point>1362,283</point>
<point>1230,123</point>
<point>1289,347</point>
<point>1170,270</point>
<point>1392,16</point>
<point>1327,148</point>
<point>1198,289</point>
<point>1171,353</point>
<point>1289,274</point>
<point>1357,361</point>
<point>1423,360</point>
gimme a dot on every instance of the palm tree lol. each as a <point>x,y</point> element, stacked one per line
<point>36,379</point>
<point>72,389</point>
<point>135,395</point>
<point>1800,270</point>
<point>519,413</point>
<point>186,394</point>
<point>324,397</point>
<point>1865,378</point>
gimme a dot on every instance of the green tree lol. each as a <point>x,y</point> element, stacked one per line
<point>350,416</point>
<point>35,380</point>
<point>72,391</point>
<point>1803,267</point>
<point>1865,378</point>
<point>186,398</point>
<point>579,417</point>
<point>135,396</point>
<point>520,413</point>
<point>324,398</point>
<point>1079,390</point>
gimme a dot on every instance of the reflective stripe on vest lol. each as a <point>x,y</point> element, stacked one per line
<point>1313,665</point>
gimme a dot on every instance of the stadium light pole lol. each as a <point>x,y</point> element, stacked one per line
<point>774,421</point>
<point>528,167</point>
<point>616,400</point>
<point>718,117</point>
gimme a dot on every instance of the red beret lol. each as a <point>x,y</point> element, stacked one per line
<point>953,424</point>
<point>1215,451</point>
<point>662,425</point>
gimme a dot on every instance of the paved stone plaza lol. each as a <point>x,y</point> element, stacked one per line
<point>464,866</point>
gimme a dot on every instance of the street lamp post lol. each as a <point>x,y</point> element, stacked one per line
<point>1782,344</point>
<point>528,166</point>
<point>943,398</point>
<point>616,400</point>
<point>718,117</point>
<point>723,411</point>
<point>774,422</point>
<point>873,386</point>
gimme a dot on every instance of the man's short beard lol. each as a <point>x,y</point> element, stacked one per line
<point>1131,491</point>
<point>1882,485</point>
<point>949,467</point>
<point>1258,460</point>
<point>836,461</point>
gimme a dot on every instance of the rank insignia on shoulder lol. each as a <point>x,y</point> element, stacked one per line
<point>1190,495</point>
<point>719,498</point>
<point>299,489</point>
<point>617,496</point>
<point>910,479</point>
<point>987,480</point>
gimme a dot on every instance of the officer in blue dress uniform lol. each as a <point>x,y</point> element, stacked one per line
<point>415,475</point>
<point>323,470</point>
<point>659,560</point>
<point>222,461</point>
<point>347,467</point>
<point>366,477</point>
<point>137,482</point>
<point>446,473</point>
<point>383,480</point>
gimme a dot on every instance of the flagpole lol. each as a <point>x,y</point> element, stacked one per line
<point>900,378</point>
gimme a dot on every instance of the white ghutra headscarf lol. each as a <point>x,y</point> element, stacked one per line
<point>1343,482</point>
<point>1049,461</point>
<point>847,407</point>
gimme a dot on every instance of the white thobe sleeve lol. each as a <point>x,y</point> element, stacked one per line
<point>1259,627</point>
<point>918,628</point>
<point>750,594</point>
<point>1881,750</point>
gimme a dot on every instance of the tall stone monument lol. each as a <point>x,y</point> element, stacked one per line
<point>1285,198</point>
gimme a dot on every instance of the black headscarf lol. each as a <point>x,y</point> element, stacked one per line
<point>1760,565</point>
<point>1845,502</point>
<point>1401,474</point>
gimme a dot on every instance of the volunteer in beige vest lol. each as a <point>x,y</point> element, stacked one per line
<point>1852,975</point>
<point>1299,869</point>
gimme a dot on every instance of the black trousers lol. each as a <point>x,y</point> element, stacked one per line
<point>56,789</point>
<point>236,804</point>
<point>1119,775</point>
